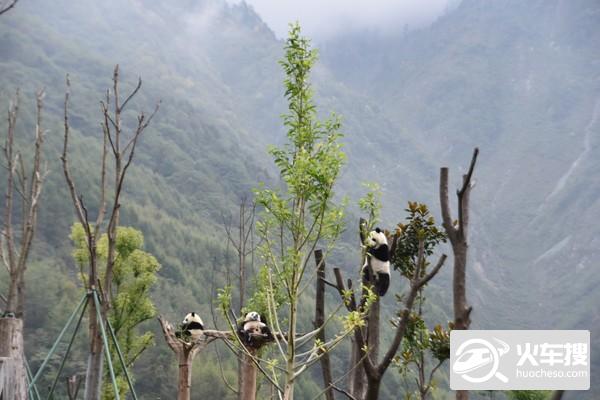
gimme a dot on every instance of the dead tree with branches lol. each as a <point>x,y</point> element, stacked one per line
<point>121,146</point>
<point>458,235</point>
<point>23,190</point>
<point>241,238</point>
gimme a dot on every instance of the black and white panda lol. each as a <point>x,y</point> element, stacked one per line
<point>192,325</point>
<point>378,256</point>
<point>253,325</point>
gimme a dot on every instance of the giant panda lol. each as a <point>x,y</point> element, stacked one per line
<point>192,325</point>
<point>253,325</point>
<point>378,257</point>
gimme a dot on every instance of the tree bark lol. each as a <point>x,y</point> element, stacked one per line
<point>373,330</point>
<point>248,376</point>
<point>14,385</point>
<point>184,385</point>
<point>458,238</point>
<point>373,387</point>
<point>95,363</point>
<point>357,379</point>
<point>14,248</point>
<point>320,321</point>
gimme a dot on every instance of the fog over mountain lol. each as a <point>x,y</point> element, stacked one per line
<point>519,79</point>
<point>325,19</point>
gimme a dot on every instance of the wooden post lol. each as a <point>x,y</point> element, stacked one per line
<point>13,379</point>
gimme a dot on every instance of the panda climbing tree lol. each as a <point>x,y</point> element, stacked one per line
<point>376,268</point>
<point>407,249</point>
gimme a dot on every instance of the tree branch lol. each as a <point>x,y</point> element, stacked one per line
<point>8,7</point>
<point>463,199</point>
<point>65,163</point>
<point>445,204</point>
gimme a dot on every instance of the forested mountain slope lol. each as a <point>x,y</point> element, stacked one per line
<point>518,79</point>
<point>521,81</point>
<point>214,68</point>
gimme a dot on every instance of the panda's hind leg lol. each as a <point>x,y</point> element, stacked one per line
<point>383,284</point>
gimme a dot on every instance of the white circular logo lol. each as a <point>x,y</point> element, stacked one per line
<point>477,360</point>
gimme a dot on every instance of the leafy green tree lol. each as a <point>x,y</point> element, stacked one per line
<point>134,274</point>
<point>297,218</point>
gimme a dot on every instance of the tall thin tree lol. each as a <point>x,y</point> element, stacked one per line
<point>121,146</point>
<point>296,219</point>
<point>241,238</point>
<point>458,235</point>
<point>15,242</point>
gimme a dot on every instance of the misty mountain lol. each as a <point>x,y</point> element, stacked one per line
<point>521,80</point>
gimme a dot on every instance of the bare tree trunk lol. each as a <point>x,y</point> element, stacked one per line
<point>245,228</point>
<point>248,376</point>
<point>458,236</point>
<point>373,330</point>
<point>15,247</point>
<point>357,379</point>
<point>95,366</point>
<point>11,358</point>
<point>373,387</point>
<point>320,321</point>
<point>184,384</point>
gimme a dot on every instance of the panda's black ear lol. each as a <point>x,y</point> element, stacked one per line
<point>193,314</point>
<point>377,230</point>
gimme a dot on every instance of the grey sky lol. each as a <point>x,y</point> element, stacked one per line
<point>323,18</point>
